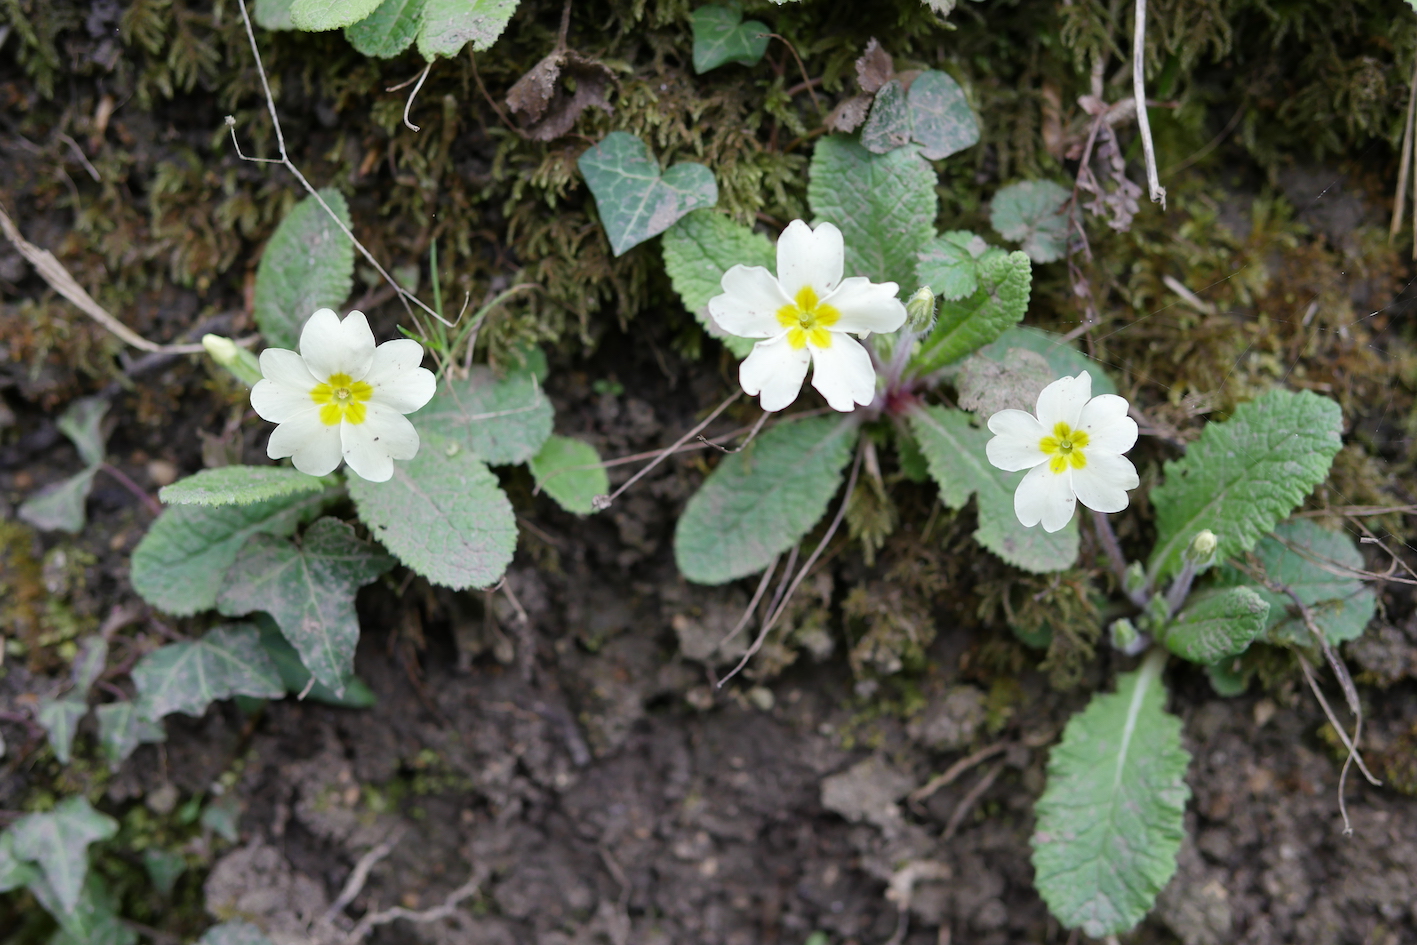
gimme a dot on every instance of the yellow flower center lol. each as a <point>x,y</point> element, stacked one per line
<point>1064,448</point>
<point>807,319</point>
<point>341,398</point>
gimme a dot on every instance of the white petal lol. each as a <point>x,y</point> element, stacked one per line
<point>1062,401</point>
<point>312,446</point>
<point>397,379</point>
<point>287,369</point>
<point>843,373</point>
<point>277,403</point>
<point>1015,443</point>
<point>1103,483</point>
<point>1045,496</point>
<point>866,306</point>
<point>807,257</point>
<point>1107,425</point>
<point>371,447</point>
<point>776,370</point>
<point>330,346</point>
<point>749,303</point>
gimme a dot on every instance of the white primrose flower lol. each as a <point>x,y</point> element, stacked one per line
<point>804,315</point>
<point>343,398</point>
<point>1074,448</point>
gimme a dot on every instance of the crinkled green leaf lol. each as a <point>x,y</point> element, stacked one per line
<point>954,450</point>
<point>296,678</point>
<point>188,676</point>
<point>1244,475</point>
<point>180,564</point>
<point>1031,213</point>
<point>443,514</point>
<point>1005,282</point>
<point>307,265</point>
<point>239,485</point>
<point>1216,624</point>
<point>698,250</point>
<point>59,842</point>
<point>82,423</point>
<point>762,501</point>
<point>389,30</point>
<point>309,589</point>
<point>721,36</point>
<point>884,205</point>
<point>273,14</point>
<point>14,872</point>
<point>569,471</point>
<point>634,199</point>
<point>501,420</point>
<point>88,663</point>
<point>949,263</point>
<point>164,868</point>
<point>319,15</point>
<point>60,507</point>
<point>236,932</point>
<point>122,727</point>
<point>1062,357</point>
<point>1111,821</point>
<point>449,25</point>
<point>60,718</point>
<point>934,114</point>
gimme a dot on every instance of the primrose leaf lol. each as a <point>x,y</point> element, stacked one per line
<point>239,485</point>
<point>721,37</point>
<point>60,507</point>
<point>635,200</point>
<point>1244,475</point>
<point>236,932</point>
<point>762,501</point>
<point>82,423</point>
<point>59,842</point>
<point>1216,624</point>
<point>501,420</point>
<point>698,250</point>
<point>389,30</point>
<point>1031,213</point>
<point>569,471</point>
<point>122,727</point>
<point>443,514</point>
<point>1111,821</point>
<point>186,677</point>
<point>14,872</point>
<point>180,564</point>
<point>1005,283</point>
<point>318,15</point>
<point>309,590</point>
<point>884,204</point>
<point>449,25</point>
<point>1062,357</point>
<point>934,113</point>
<point>949,263</point>
<point>60,718</point>
<point>273,14</point>
<point>307,265</point>
<point>954,451</point>
<point>296,678</point>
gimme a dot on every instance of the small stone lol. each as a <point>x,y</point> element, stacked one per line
<point>162,473</point>
<point>762,697</point>
<point>162,800</point>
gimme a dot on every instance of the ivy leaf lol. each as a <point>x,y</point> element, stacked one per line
<point>569,471</point>
<point>721,36</point>
<point>698,250</point>
<point>443,514</point>
<point>273,14</point>
<point>239,485</point>
<point>164,868</point>
<point>1005,283</point>
<point>296,678</point>
<point>954,450</point>
<point>1031,213</point>
<point>501,420</point>
<point>949,263</point>
<point>934,113</point>
<point>186,677</point>
<point>88,664</point>
<point>318,15</point>
<point>236,932</point>
<point>122,727</point>
<point>1216,624</point>
<point>1111,821</point>
<point>889,126</point>
<point>309,590</point>
<point>60,718</point>
<point>1244,475</point>
<point>14,872</point>
<point>93,920</point>
<point>762,501</point>
<point>307,265</point>
<point>1062,357</point>
<point>59,842</point>
<point>884,204</point>
<point>82,423</point>
<point>634,199</point>
<point>60,507</point>
<point>389,30</point>
<point>181,562</point>
<point>449,25</point>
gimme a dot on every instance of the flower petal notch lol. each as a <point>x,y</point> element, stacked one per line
<point>1072,446</point>
<point>341,399</point>
<point>806,314</point>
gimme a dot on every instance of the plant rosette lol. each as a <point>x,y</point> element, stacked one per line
<point>340,398</point>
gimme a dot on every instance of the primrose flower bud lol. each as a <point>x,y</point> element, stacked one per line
<point>1203,545</point>
<point>920,310</point>
<point>1124,635</point>
<point>237,360</point>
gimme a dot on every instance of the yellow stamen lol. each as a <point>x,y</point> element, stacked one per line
<point>342,398</point>
<point>807,320</point>
<point>1064,448</point>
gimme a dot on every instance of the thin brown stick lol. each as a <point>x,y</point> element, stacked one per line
<point>954,771</point>
<point>360,875</point>
<point>448,907</point>
<point>601,503</point>
<point>1153,180</point>
<point>1404,167</point>
<point>967,802</point>
<point>802,69</point>
<point>477,77</point>
<point>752,604</point>
<point>422,76</point>
<point>1343,736</point>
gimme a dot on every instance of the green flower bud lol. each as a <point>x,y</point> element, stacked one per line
<point>1124,635</point>
<point>920,310</point>
<point>1203,545</point>
<point>241,363</point>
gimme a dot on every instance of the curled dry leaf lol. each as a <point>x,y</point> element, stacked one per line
<point>849,115</point>
<point>873,70</point>
<point>541,101</point>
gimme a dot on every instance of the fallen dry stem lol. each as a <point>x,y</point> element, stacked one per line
<point>360,875</point>
<point>954,771</point>
<point>1153,180</point>
<point>752,604</point>
<point>603,502</point>
<point>966,803</point>
<point>447,908</point>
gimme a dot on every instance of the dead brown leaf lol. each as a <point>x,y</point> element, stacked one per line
<point>875,68</point>
<point>543,104</point>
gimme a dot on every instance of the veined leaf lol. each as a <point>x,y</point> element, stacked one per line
<point>1005,282</point>
<point>762,501</point>
<point>934,113</point>
<point>60,507</point>
<point>296,678</point>
<point>122,728</point>
<point>569,471</point>
<point>634,199</point>
<point>273,14</point>
<point>14,872</point>
<point>1031,213</point>
<point>82,423</point>
<point>1111,820</point>
<point>307,265</point>
<point>721,36</point>
<point>60,718</point>
<point>94,918</point>
<point>1244,475</point>
<point>949,263</point>
<point>88,664</point>
<point>449,25</point>
<point>187,677</point>
<point>239,485</point>
<point>501,420</point>
<point>1062,357</point>
<point>59,842</point>
<point>319,15</point>
<point>698,250</point>
<point>1216,624</point>
<point>389,30</point>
